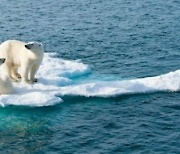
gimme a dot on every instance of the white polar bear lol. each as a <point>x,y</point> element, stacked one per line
<point>27,56</point>
<point>6,86</point>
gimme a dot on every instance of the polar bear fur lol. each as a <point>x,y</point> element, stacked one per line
<point>26,56</point>
<point>6,86</point>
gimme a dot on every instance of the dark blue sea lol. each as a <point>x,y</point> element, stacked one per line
<point>119,40</point>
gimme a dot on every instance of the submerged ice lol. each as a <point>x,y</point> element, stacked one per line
<point>56,78</point>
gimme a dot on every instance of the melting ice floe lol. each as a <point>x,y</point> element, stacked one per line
<point>53,74</point>
<point>56,80</point>
<point>166,82</point>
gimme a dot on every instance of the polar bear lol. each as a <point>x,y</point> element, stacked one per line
<point>26,56</point>
<point>6,86</point>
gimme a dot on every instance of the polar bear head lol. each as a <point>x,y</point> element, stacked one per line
<point>2,60</point>
<point>34,46</point>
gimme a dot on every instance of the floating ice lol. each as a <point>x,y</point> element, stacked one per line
<point>166,82</point>
<point>53,74</point>
<point>56,79</point>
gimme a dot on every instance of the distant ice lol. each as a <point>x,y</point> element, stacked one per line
<point>166,82</point>
<point>56,79</point>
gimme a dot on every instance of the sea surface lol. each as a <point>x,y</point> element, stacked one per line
<point>110,81</point>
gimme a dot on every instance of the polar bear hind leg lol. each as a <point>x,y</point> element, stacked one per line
<point>14,73</point>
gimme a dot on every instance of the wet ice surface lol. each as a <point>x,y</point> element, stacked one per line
<point>56,78</point>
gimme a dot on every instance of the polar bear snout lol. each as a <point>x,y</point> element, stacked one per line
<point>27,46</point>
<point>2,60</point>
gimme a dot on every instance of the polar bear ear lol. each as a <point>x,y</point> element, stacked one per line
<point>27,46</point>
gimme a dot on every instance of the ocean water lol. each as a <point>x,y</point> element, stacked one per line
<point>109,81</point>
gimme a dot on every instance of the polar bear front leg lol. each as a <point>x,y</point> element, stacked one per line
<point>24,74</point>
<point>33,71</point>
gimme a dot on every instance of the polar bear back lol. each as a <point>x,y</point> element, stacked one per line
<point>11,50</point>
<point>15,52</point>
